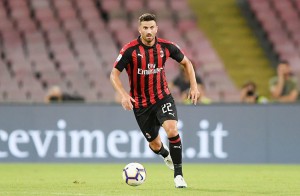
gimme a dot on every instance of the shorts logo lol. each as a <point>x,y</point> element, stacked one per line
<point>148,135</point>
<point>172,114</point>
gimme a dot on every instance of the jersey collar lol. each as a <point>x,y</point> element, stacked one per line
<point>140,42</point>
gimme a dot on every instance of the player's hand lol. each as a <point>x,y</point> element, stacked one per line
<point>126,102</point>
<point>194,95</point>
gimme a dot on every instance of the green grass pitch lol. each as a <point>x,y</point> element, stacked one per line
<point>106,179</point>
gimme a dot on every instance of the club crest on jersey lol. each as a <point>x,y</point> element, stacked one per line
<point>161,53</point>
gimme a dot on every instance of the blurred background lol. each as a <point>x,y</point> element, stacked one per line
<point>72,45</point>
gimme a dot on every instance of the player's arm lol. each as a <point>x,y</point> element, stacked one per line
<point>194,93</point>
<point>126,99</point>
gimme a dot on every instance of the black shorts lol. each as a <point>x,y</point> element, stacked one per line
<point>150,119</point>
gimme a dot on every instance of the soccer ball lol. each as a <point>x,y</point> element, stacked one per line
<point>134,174</point>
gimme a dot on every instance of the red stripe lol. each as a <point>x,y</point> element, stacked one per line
<point>167,53</point>
<point>151,87</point>
<point>175,141</point>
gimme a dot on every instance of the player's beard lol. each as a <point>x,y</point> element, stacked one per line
<point>148,38</point>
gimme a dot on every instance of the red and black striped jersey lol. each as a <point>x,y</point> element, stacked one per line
<point>145,68</point>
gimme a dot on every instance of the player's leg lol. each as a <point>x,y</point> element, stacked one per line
<point>175,146</point>
<point>159,148</point>
<point>156,146</point>
<point>167,116</point>
<point>149,125</point>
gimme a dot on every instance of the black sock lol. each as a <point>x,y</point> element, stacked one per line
<point>176,154</point>
<point>162,151</point>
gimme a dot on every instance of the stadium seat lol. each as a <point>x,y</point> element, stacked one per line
<point>72,25</point>
<point>14,95</point>
<point>86,4</point>
<point>280,20</point>
<point>62,4</point>
<point>37,4</point>
<point>110,5</point>
<point>157,5</point>
<point>67,14</point>
<point>179,5</point>
<point>43,14</point>
<point>259,5</point>
<point>94,27</point>
<point>132,5</point>
<point>124,36</point>
<point>117,24</point>
<point>186,25</point>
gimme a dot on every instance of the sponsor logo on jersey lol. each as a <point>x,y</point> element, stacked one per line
<point>151,66</point>
<point>151,69</point>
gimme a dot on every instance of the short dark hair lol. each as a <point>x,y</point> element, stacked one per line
<point>147,17</point>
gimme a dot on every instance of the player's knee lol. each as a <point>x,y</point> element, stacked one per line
<point>172,133</point>
<point>171,130</point>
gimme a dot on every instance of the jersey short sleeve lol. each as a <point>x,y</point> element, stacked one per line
<point>175,52</point>
<point>122,60</point>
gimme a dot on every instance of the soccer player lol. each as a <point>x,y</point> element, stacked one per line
<point>150,98</point>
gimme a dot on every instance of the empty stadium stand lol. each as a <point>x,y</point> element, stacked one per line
<point>74,43</point>
<point>280,22</point>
